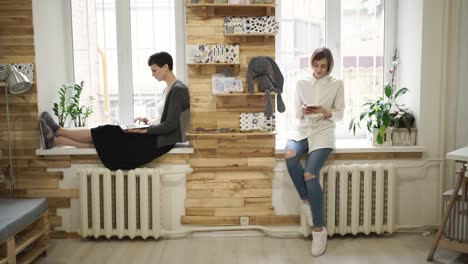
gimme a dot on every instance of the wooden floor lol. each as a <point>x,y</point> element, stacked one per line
<point>400,248</point>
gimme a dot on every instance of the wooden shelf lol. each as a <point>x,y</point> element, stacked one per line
<point>242,94</point>
<point>229,5</point>
<point>250,35</point>
<point>236,66</point>
<point>207,64</point>
<point>27,244</point>
<point>32,255</point>
<point>238,38</point>
<point>28,239</point>
<point>205,7</point>
<point>231,135</point>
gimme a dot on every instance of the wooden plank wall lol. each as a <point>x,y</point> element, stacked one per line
<point>232,171</point>
<point>32,178</point>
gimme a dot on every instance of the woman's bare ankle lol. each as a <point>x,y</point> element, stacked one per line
<point>318,229</point>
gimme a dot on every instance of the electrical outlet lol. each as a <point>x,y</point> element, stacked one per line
<point>244,220</point>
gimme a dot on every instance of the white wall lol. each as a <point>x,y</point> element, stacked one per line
<point>420,46</point>
<point>53,47</point>
<point>433,67</point>
<point>462,94</point>
<point>456,128</point>
<point>409,42</point>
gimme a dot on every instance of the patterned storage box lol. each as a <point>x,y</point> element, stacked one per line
<point>257,121</point>
<point>216,53</point>
<point>250,25</point>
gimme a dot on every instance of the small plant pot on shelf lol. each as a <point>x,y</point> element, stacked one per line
<point>403,137</point>
<point>387,137</point>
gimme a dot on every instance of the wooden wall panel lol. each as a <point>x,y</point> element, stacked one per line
<point>235,168</point>
<point>32,177</point>
<point>17,46</point>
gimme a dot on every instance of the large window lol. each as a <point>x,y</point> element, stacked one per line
<point>112,40</point>
<point>354,31</point>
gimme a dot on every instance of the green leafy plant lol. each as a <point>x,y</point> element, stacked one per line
<point>61,109</point>
<point>69,105</point>
<point>402,118</point>
<point>79,113</point>
<point>384,112</point>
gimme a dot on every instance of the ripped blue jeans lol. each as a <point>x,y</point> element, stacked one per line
<point>308,189</point>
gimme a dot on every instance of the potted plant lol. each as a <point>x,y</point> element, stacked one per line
<point>404,123</point>
<point>383,115</point>
<point>61,109</point>
<point>69,105</point>
<point>79,113</point>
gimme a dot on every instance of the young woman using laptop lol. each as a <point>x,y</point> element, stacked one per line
<point>127,149</point>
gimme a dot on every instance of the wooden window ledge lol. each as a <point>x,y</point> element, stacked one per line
<point>180,148</point>
<point>363,146</point>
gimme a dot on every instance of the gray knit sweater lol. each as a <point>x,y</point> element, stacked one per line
<point>175,119</point>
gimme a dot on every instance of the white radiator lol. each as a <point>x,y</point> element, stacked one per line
<point>359,198</point>
<point>120,203</point>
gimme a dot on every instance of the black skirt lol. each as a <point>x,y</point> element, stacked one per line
<point>125,151</point>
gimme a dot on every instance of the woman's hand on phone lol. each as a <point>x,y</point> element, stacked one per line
<point>311,109</point>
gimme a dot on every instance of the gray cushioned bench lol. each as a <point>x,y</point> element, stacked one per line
<point>23,222</point>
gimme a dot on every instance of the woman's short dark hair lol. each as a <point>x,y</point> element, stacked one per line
<point>160,59</point>
<point>321,53</point>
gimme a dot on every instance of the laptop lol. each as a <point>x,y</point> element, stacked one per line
<point>133,126</point>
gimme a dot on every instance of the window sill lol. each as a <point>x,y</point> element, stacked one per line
<point>180,148</point>
<point>342,146</point>
<point>364,146</point>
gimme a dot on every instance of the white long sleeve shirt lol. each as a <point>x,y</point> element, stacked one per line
<point>160,102</point>
<point>327,92</point>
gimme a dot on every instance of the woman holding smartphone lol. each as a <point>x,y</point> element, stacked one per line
<point>319,103</point>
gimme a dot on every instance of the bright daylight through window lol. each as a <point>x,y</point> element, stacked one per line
<point>352,29</point>
<point>96,47</point>
<point>355,34</point>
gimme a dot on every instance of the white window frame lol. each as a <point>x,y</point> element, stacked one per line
<point>124,59</point>
<point>333,33</point>
<point>124,54</point>
<point>333,42</point>
<point>390,32</point>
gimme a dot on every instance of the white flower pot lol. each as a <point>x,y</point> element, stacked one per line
<point>387,137</point>
<point>402,137</point>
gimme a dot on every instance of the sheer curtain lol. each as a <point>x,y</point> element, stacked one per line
<point>356,37</point>
<point>95,28</point>
<point>302,30</point>
<point>95,55</point>
<point>362,46</point>
<point>153,30</point>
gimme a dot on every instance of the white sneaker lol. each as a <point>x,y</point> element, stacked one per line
<point>319,242</point>
<point>308,213</point>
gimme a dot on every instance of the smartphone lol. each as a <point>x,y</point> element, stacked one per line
<point>312,106</point>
